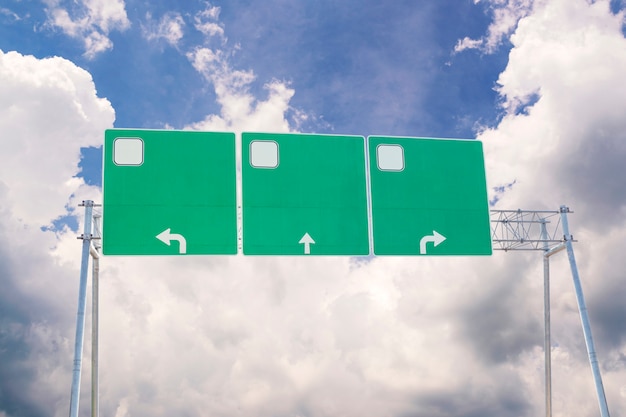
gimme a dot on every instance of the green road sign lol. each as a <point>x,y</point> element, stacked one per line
<point>304,195</point>
<point>169,192</point>
<point>429,197</point>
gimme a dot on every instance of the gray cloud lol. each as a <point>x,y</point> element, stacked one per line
<point>503,398</point>
<point>500,324</point>
<point>30,344</point>
<point>594,175</point>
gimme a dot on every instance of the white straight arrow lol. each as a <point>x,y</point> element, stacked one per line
<point>436,238</point>
<point>167,237</point>
<point>307,240</point>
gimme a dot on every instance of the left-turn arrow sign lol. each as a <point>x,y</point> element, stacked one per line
<point>167,237</point>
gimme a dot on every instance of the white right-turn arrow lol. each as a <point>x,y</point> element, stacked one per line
<point>436,238</point>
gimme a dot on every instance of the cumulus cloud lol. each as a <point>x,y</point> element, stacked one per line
<point>60,97</point>
<point>268,336</point>
<point>51,110</point>
<point>563,72</point>
<point>88,20</point>
<point>561,141</point>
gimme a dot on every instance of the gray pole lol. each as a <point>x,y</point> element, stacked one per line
<point>80,315</point>
<point>95,302</point>
<point>94,338</point>
<point>547,346</point>
<point>584,317</point>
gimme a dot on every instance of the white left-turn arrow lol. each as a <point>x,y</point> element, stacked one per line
<point>436,238</point>
<point>307,240</point>
<point>167,237</point>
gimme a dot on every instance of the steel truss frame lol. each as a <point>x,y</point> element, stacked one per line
<point>547,231</point>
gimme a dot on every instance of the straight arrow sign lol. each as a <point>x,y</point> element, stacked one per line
<point>436,238</point>
<point>307,240</point>
<point>167,237</point>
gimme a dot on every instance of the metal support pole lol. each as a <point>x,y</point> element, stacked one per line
<point>547,346</point>
<point>94,339</point>
<point>95,301</point>
<point>584,317</point>
<point>80,315</point>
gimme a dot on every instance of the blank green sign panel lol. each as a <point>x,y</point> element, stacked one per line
<point>174,192</point>
<point>429,197</point>
<point>304,195</point>
<point>169,193</point>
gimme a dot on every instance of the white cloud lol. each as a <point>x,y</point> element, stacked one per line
<point>61,98</point>
<point>267,336</point>
<point>467,43</point>
<point>10,13</point>
<point>207,22</point>
<point>506,15</point>
<point>89,20</point>
<point>568,55</point>
<point>240,110</point>
<point>172,24</point>
<point>48,110</point>
<point>170,28</point>
<point>562,141</point>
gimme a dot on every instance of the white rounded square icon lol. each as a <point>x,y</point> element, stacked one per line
<point>128,151</point>
<point>264,154</point>
<point>390,157</point>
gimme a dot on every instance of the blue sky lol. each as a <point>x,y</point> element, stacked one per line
<point>539,82</point>
<point>357,68</point>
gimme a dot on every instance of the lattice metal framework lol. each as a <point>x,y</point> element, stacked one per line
<point>521,229</point>
<point>547,231</point>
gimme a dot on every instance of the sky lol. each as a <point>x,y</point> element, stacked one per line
<point>540,83</point>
